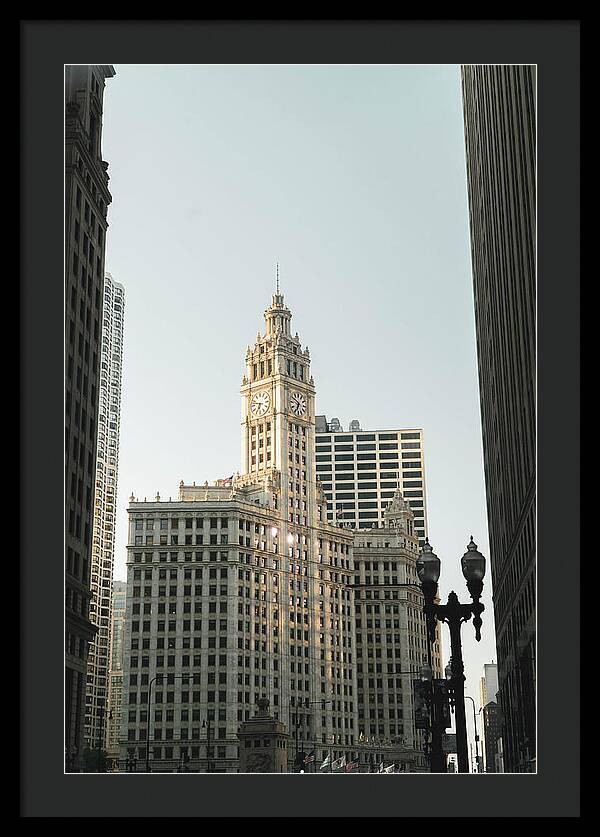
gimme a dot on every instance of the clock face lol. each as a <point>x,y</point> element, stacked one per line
<point>259,404</point>
<point>298,404</point>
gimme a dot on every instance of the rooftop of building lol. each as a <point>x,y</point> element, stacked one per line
<point>335,426</point>
<point>230,492</point>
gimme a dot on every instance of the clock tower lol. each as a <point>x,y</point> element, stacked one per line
<point>313,601</point>
<point>278,417</point>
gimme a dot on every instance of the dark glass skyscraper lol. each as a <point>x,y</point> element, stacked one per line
<point>500,134</point>
<point>86,203</point>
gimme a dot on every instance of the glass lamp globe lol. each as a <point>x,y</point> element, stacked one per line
<point>428,564</point>
<point>473,563</point>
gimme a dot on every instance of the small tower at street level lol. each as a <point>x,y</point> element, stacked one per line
<point>263,743</point>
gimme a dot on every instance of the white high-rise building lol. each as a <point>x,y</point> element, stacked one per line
<point>105,500</point>
<point>115,673</point>
<point>243,590</point>
<point>360,471</point>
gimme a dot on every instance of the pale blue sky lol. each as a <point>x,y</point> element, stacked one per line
<point>353,178</point>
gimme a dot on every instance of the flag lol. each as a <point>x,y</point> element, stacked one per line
<point>338,764</point>
<point>390,769</point>
<point>226,481</point>
<point>308,759</point>
<point>380,768</point>
<point>326,763</point>
<point>351,765</point>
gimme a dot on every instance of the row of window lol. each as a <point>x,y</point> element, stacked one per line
<point>366,457</point>
<point>322,470</point>
<point>188,540</point>
<point>174,557</point>
<point>351,487</point>
<point>175,522</point>
<point>349,505</point>
<point>366,437</point>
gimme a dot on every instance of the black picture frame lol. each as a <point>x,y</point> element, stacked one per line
<point>45,47</point>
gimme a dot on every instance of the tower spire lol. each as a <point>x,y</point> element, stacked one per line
<point>277,286</point>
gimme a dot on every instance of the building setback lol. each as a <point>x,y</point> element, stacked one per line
<point>391,639</point>
<point>86,202</point>
<point>360,471</point>
<point>105,504</point>
<point>500,124</point>
<point>115,674</point>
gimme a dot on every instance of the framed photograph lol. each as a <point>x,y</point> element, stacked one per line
<point>301,487</point>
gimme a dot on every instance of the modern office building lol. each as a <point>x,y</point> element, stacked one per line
<point>500,134</point>
<point>86,203</point>
<point>115,673</point>
<point>243,590</point>
<point>360,471</point>
<point>105,507</point>
<point>391,639</point>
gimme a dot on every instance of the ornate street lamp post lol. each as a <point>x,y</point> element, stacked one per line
<point>454,614</point>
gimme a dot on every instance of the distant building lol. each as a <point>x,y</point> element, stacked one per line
<point>321,424</point>
<point>115,674</point>
<point>492,725</point>
<point>105,511</point>
<point>488,688</point>
<point>361,470</point>
<point>500,134</point>
<point>86,203</point>
<point>488,691</point>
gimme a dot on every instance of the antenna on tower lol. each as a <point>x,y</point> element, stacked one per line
<point>278,278</point>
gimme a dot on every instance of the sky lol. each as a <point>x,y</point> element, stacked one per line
<point>353,178</point>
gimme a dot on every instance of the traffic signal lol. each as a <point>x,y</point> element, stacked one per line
<point>442,698</point>
<point>421,689</point>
